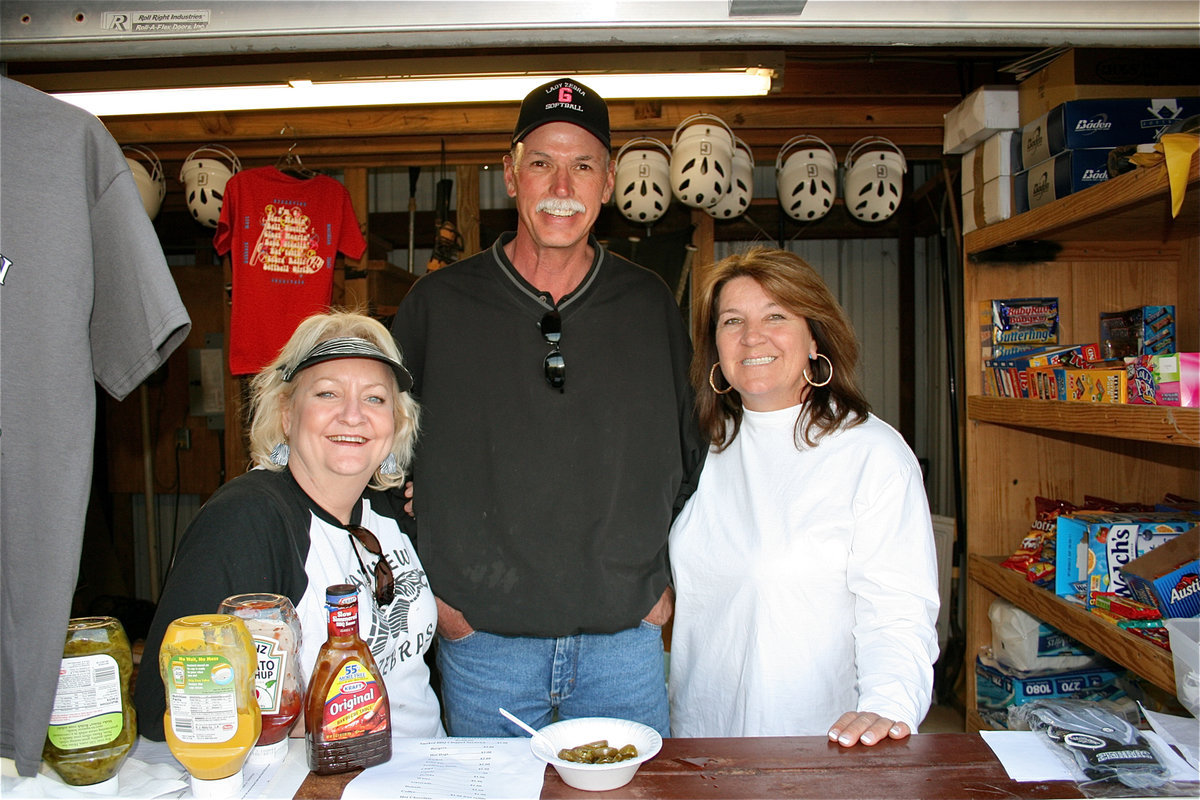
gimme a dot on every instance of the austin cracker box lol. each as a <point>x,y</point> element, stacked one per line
<point>1092,546</point>
<point>1168,576</point>
<point>1090,124</point>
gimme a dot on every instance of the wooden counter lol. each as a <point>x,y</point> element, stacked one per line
<point>928,766</point>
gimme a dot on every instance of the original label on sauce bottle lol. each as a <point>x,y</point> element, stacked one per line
<point>87,707</point>
<point>354,705</point>
<point>203,697</point>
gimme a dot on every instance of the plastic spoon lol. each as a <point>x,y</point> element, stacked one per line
<point>535,734</point>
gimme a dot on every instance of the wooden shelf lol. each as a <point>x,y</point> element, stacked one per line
<point>1133,652</point>
<point>1137,203</point>
<point>1161,424</point>
<point>1119,246</point>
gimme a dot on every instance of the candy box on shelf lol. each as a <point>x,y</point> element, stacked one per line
<point>1146,330</point>
<point>1168,576</point>
<point>1095,385</point>
<point>1092,546</point>
<point>1152,380</point>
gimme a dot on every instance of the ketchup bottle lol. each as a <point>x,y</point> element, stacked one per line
<point>347,719</point>
<point>278,679</point>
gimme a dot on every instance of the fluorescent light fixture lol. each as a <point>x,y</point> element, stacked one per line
<point>410,91</point>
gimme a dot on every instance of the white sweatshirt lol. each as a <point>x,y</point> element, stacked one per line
<point>806,584</point>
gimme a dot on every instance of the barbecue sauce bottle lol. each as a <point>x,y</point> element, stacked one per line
<point>346,716</point>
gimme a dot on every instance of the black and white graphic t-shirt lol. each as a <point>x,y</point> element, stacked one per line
<point>262,533</point>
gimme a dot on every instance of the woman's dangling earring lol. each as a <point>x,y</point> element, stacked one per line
<point>812,360</point>
<point>712,380</point>
<point>389,466</point>
<point>279,455</point>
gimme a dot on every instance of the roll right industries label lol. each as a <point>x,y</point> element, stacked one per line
<point>354,705</point>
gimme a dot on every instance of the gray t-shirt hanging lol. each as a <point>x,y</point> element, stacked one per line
<point>85,298</point>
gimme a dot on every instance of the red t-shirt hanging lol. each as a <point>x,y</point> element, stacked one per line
<point>283,234</point>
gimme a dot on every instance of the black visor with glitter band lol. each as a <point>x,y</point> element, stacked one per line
<point>350,347</point>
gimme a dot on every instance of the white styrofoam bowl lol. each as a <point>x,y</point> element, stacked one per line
<point>597,777</point>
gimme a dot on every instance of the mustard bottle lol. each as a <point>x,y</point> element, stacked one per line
<point>212,719</point>
<point>92,725</point>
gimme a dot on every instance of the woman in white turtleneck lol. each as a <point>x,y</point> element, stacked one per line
<point>804,569</point>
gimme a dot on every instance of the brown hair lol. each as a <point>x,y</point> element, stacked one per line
<point>792,283</point>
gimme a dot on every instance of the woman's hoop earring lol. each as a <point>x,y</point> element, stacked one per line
<point>712,380</point>
<point>812,360</point>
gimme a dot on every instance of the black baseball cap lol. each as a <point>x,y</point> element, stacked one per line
<point>350,347</point>
<point>564,100</point>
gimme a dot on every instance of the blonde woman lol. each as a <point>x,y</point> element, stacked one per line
<point>332,427</point>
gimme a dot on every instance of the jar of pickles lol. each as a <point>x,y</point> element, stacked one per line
<point>211,720</point>
<point>278,679</point>
<point>92,725</point>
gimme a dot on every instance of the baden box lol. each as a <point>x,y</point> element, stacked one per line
<point>1063,174</point>
<point>1105,123</point>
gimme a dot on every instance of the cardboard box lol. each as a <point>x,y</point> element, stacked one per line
<point>1168,576</point>
<point>1152,380</point>
<point>987,205</point>
<point>1083,73</point>
<point>983,112</point>
<point>1092,124</point>
<point>998,687</point>
<point>1064,174</point>
<point>990,160</point>
<point>1189,380</point>
<point>1092,546</point>
<point>1096,385</point>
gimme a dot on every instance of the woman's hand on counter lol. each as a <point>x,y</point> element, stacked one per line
<point>866,727</point>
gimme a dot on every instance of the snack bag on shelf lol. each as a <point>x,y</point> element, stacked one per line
<point>1035,557</point>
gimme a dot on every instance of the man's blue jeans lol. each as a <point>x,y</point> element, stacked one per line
<point>545,680</point>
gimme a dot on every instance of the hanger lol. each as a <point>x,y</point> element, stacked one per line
<point>290,164</point>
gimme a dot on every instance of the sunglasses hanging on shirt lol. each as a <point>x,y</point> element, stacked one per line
<point>554,367</point>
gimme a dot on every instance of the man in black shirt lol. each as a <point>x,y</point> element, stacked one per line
<point>558,441</point>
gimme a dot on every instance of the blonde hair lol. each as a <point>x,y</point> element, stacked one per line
<point>796,286</point>
<point>269,392</point>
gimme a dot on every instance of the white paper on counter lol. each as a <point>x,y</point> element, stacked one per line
<point>1029,756</point>
<point>438,769</point>
<point>135,779</point>
<point>1182,732</point>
